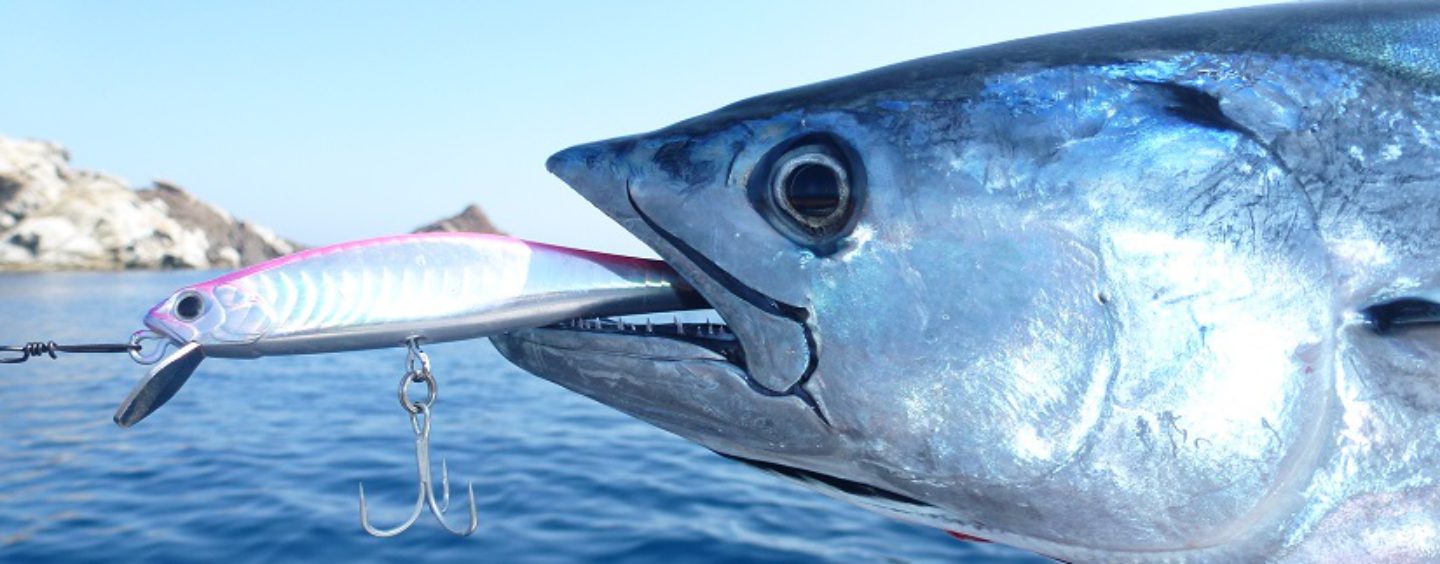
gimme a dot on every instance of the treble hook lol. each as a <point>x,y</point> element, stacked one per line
<point>420,421</point>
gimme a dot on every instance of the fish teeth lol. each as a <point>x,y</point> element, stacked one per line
<point>649,327</point>
<point>679,327</point>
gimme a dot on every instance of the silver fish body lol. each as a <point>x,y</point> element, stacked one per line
<point>435,287</point>
<point>1101,294</point>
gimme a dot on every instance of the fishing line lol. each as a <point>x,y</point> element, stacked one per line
<point>43,348</point>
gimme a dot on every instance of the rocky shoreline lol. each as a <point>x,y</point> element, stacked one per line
<point>54,217</point>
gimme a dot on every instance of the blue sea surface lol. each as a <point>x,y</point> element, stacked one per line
<point>258,460</point>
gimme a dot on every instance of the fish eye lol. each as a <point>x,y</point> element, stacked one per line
<point>189,306</point>
<point>811,186</point>
<point>808,188</point>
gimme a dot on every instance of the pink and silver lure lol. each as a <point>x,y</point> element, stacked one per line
<point>383,292</point>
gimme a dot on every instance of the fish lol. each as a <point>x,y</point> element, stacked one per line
<point>1161,291</point>
<point>388,291</point>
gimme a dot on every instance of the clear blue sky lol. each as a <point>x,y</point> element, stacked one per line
<point>330,121</point>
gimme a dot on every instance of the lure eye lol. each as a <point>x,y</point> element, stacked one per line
<point>189,307</point>
<point>809,189</point>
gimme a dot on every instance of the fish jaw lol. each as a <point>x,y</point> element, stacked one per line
<point>680,379</point>
<point>767,344</point>
<point>772,331</point>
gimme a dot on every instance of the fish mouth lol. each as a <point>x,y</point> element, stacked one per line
<point>660,337</point>
<point>672,340</point>
<point>675,373</point>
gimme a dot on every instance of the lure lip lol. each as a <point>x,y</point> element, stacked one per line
<point>166,378</point>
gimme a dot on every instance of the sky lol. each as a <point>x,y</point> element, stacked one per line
<point>330,121</point>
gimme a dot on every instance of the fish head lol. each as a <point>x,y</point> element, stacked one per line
<point>892,326</point>
<point>1067,294</point>
<point>214,314</point>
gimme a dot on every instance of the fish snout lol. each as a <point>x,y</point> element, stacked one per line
<point>585,164</point>
<point>600,172</point>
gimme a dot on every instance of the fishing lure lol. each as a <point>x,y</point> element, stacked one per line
<point>387,292</point>
<point>396,291</point>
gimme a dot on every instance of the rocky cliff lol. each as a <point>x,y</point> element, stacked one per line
<point>472,219</point>
<point>53,217</point>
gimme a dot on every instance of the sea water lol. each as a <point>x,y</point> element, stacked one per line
<point>259,461</point>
